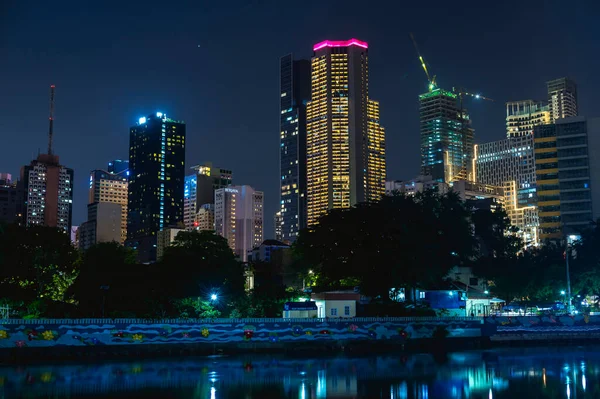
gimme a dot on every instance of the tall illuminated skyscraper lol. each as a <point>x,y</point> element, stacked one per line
<point>345,141</point>
<point>156,181</point>
<point>294,95</point>
<point>523,116</point>
<point>446,137</point>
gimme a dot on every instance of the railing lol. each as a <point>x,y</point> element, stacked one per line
<point>239,321</point>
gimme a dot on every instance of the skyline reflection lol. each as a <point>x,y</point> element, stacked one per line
<point>560,373</point>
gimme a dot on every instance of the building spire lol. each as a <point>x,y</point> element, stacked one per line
<point>51,120</point>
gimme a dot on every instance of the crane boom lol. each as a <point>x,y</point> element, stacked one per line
<point>422,61</point>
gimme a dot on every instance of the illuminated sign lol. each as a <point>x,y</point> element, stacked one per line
<point>342,43</point>
<point>231,190</point>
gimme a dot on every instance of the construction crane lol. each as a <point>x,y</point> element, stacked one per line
<point>51,120</point>
<point>431,80</point>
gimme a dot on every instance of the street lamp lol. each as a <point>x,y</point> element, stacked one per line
<point>213,297</point>
<point>562,292</point>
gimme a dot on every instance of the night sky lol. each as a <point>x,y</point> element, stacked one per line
<point>215,65</point>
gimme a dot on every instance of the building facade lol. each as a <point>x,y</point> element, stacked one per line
<point>156,181</point>
<point>510,164</point>
<point>200,189</point>
<point>568,176</point>
<point>414,186</point>
<point>48,193</point>
<point>239,217</point>
<point>113,188</point>
<point>562,98</point>
<point>345,140</point>
<point>104,224</point>
<point>294,88</point>
<point>446,137</point>
<point>165,238</point>
<point>206,218</point>
<point>10,200</point>
<point>523,116</point>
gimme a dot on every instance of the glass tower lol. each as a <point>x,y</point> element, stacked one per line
<point>446,137</point>
<point>156,181</point>
<point>294,95</point>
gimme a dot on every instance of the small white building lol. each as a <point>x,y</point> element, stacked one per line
<point>336,304</point>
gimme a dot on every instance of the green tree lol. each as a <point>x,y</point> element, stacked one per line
<point>36,263</point>
<point>111,281</point>
<point>400,241</point>
<point>198,264</point>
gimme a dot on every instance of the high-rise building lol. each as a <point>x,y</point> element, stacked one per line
<point>200,189</point>
<point>446,137</point>
<point>416,185</point>
<point>118,166</point>
<point>562,98</point>
<point>48,191</point>
<point>106,187</point>
<point>345,148</point>
<point>239,218</point>
<point>10,200</point>
<point>510,163</point>
<point>156,181</point>
<point>47,186</point>
<point>568,175</point>
<point>294,87</point>
<point>523,116</point>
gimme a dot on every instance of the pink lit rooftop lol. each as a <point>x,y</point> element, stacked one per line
<point>340,43</point>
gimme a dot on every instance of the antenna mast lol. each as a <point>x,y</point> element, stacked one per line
<point>51,120</point>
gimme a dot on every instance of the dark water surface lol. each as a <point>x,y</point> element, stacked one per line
<point>572,372</point>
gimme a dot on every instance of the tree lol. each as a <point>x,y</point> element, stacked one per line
<point>36,263</point>
<point>198,264</point>
<point>110,281</point>
<point>400,241</point>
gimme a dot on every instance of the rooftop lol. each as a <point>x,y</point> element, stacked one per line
<point>340,43</point>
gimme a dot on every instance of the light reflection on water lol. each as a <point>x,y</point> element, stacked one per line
<point>535,373</point>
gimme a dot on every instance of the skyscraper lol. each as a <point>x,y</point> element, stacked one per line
<point>345,141</point>
<point>562,98</point>
<point>48,186</point>
<point>200,189</point>
<point>510,163</point>
<point>446,137</point>
<point>523,116</point>
<point>156,181</point>
<point>568,175</point>
<point>294,88</point>
<point>239,218</point>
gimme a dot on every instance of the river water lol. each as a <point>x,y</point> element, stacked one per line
<point>572,372</point>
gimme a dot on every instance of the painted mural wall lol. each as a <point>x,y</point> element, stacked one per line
<point>499,325</point>
<point>41,333</point>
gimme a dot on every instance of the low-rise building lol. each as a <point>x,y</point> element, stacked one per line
<point>336,304</point>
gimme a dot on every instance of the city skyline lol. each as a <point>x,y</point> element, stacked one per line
<point>251,131</point>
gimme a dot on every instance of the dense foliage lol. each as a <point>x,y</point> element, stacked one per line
<point>399,242</point>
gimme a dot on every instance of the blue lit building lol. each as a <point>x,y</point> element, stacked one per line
<point>118,166</point>
<point>294,94</point>
<point>156,181</point>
